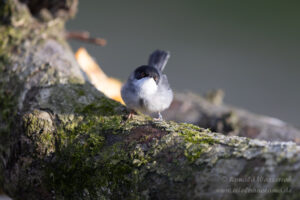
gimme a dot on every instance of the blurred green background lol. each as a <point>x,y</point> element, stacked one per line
<point>250,49</point>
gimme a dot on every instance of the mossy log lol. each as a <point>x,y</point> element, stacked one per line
<point>210,112</point>
<point>60,138</point>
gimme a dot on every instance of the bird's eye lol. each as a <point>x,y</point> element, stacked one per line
<point>155,78</point>
<point>143,74</point>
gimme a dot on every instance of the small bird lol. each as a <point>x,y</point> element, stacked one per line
<point>147,88</point>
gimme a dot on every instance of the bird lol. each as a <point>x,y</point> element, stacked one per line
<point>147,89</point>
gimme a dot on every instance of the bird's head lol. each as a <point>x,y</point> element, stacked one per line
<point>147,78</point>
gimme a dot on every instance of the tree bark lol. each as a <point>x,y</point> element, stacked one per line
<point>60,138</point>
<point>210,112</point>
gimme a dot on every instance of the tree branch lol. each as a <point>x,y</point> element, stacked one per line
<point>85,37</point>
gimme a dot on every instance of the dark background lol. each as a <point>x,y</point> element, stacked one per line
<point>250,49</point>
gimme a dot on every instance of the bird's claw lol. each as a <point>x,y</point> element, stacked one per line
<point>131,114</point>
<point>159,117</point>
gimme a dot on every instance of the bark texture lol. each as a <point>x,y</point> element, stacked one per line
<point>210,112</point>
<point>60,138</point>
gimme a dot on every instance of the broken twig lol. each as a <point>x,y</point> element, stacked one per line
<point>85,37</point>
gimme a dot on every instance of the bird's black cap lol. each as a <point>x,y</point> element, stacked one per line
<point>147,71</point>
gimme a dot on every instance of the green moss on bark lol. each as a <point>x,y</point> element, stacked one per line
<point>85,164</point>
<point>101,154</point>
<point>90,150</point>
<point>197,141</point>
<point>39,128</point>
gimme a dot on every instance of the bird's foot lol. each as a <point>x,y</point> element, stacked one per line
<point>159,117</point>
<point>131,114</point>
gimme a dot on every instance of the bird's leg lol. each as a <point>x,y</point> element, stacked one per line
<point>159,117</point>
<point>131,113</point>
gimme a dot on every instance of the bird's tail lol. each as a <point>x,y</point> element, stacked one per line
<point>159,59</point>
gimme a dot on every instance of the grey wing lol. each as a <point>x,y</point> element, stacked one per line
<point>129,95</point>
<point>159,59</point>
<point>164,83</point>
<point>164,95</point>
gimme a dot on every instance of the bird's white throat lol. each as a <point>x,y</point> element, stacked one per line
<point>146,86</point>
